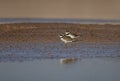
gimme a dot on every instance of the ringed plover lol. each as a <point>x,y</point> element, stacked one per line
<point>66,39</point>
<point>72,35</point>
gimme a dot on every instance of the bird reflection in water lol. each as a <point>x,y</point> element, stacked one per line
<point>68,60</point>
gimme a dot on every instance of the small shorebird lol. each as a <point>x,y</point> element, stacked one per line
<point>66,39</point>
<point>72,35</point>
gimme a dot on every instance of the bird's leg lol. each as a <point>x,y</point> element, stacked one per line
<point>66,45</point>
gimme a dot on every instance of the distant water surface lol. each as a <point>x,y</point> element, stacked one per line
<point>43,20</point>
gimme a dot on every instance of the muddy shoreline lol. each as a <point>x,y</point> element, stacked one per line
<point>49,32</point>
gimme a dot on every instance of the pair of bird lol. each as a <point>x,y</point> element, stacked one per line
<point>68,37</point>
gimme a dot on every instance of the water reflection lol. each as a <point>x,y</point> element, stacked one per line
<point>87,69</point>
<point>45,62</point>
<point>68,60</point>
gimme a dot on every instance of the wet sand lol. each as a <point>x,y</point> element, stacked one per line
<point>49,32</point>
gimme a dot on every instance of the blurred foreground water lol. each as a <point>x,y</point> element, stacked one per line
<point>35,61</point>
<point>85,69</point>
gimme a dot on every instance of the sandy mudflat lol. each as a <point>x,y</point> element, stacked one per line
<point>49,32</point>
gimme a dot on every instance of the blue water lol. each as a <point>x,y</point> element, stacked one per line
<point>43,20</point>
<point>86,69</point>
<point>26,51</point>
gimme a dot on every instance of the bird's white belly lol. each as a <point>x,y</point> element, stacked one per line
<point>71,36</point>
<point>65,40</point>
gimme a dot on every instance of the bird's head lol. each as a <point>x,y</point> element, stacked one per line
<point>61,36</point>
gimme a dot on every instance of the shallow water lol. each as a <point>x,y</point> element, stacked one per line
<point>26,51</point>
<point>85,69</point>
<point>35,61</point>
